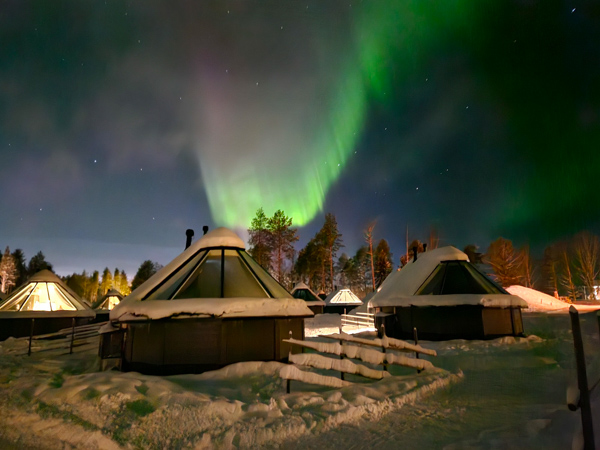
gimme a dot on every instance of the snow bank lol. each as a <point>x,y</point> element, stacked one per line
<point>61,401</point>
<point>538,301</point>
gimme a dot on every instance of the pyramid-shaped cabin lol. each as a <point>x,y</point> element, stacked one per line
<point>302,291</point>
<point>211,306</point>
<point>43,304</point>
<point>444,296</point>
<point>341,302</point>
<point>106,303</point>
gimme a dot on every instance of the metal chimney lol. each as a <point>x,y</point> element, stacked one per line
<point>424,248</point>
<point>415,249</point>
<point>189,233</point>
<point>205,229</point>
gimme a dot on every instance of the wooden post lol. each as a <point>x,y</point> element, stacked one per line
<point>385,367</point>
<point>341,356</point>
<point>72,335</point>
<point>288,384</point>
<point>416,338</point>
<point>30,337</point>
<point>582,382</point>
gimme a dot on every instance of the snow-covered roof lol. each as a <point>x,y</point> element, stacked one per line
<point>343,297</point>
<point>488,300</point>
<point>213,269</point>
<point>212,307</point>
<point>441,277</point>
<point>44,292</point>
<point>219,237</point>
<point>304,292</point>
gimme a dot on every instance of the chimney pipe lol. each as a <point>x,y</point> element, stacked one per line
<point>205,229</point>
<point>424,248</point>
<point>189,233</point>
<point>415,253</point>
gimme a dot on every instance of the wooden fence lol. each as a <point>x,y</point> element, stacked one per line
<point>67,339</point>
<point>378,352</point>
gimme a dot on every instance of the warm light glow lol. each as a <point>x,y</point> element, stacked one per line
<point>112,301</point>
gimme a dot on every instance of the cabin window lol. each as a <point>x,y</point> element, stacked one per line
<point>205,282</point>
<point>457,277</point>
<point>239,281</point>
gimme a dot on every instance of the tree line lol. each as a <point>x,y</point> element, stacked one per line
<point>271,244</point>
<point>567,269</point>
<point>14,271</point>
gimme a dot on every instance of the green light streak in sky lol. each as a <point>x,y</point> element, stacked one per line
<point>286,152</point>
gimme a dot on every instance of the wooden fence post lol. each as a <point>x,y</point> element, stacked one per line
<point>72,335</point>
<point>30,337</point>
<point>416,338</point>
<point>385,367</point>
<point>582,382</point>
<point>288,385</point>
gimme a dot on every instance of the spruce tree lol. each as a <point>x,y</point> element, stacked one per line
<point>282,238</point>
<point>260,238</point>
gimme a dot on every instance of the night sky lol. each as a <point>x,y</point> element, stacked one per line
<point>122,124</point>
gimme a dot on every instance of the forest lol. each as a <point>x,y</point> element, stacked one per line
<point>568,269</point>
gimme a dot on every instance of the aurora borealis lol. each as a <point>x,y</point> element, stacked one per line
<point>124,123</point>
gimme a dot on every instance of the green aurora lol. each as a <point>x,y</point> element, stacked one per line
<point>294,170</point>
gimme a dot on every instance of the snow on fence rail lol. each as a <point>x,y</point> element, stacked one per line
<point>364,354</point>
<point>385,342</point>
<point>345,349</point>
<point>358,320</point>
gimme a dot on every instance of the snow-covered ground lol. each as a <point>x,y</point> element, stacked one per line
<point>505,393</point>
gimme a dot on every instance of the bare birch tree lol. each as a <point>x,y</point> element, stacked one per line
<point>586,249</point>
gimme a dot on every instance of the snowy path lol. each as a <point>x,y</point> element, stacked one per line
<point>510,394</point>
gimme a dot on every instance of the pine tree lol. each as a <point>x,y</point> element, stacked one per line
<point>369,240</point>
<point>93,286</point>
<point>124,288</point>
<point>260,238</point>
<point>38,262</point>
<point>383,262</point>
<point>106,282</point>
<point>116,281</point>
<point>145,271</point>
<point>282,238</point>
<point>19,258</point>
<point>8,271</point>
<point>331,240</point>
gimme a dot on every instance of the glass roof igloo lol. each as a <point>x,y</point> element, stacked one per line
<point>219,271</point>
<point>43,292</point>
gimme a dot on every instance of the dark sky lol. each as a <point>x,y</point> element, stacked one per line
<point>124,123</point>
